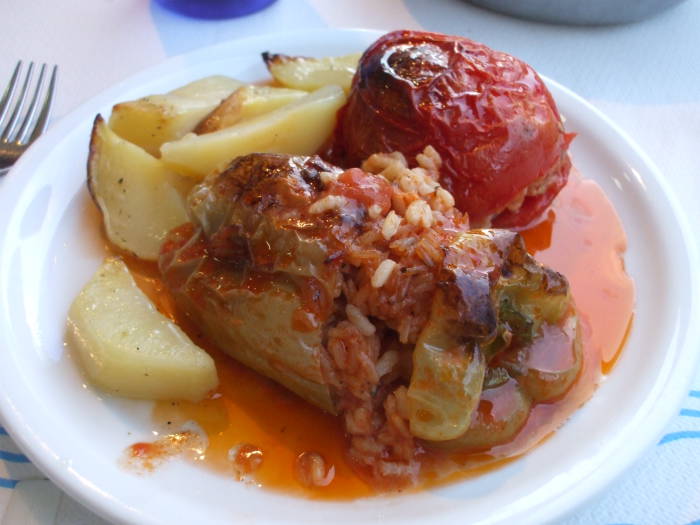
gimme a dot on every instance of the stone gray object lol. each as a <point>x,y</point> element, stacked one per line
<point>580,12</point>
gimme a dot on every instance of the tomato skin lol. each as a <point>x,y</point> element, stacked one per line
<point>364,188</point>
<point>488,114</point>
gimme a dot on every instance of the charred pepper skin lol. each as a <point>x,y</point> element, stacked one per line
<point>488,114</point>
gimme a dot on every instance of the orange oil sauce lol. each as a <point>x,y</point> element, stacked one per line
<point>580,237</point>
<point>247,408</point>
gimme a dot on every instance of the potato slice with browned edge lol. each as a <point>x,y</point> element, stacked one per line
<point>245,103</point>
<point>141,200</point>
<point>150,121</point>
<point>213,88</point>
<point>312,73</point>
<point>299,128</point>
<point>128,348</point>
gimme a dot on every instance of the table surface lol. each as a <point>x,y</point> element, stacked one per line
<point>645,76</point>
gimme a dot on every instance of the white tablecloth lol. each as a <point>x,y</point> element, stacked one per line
<point>645,76</point>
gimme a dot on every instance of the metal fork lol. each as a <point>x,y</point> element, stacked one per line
<point>18,128</point>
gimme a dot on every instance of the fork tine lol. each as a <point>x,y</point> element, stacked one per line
<point>19,104</point>
<point>22,134</point>
<point>9,91</point>
<point>45,113</point>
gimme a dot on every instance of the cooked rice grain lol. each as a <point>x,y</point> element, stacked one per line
<point>387,362</point>
<point>419,213</point>
<point>445,197</point>
<point>391,225</point>
<point>374,211</point>
<point>383,272</point>
<point>311,471</point>
<point>430,159</point>
<point>327,203</point>
<point>328,177</point>
<point>360,320</point>
<point>400,201</point>
<point>378,162</point>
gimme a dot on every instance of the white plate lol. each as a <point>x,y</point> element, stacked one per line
<point>50,247</point>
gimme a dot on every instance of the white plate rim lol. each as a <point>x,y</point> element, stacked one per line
<point>657,416</point>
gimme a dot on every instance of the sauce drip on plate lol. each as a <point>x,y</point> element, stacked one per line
<point>581,237</point>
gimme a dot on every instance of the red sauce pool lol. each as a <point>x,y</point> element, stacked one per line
<point>580,237</point>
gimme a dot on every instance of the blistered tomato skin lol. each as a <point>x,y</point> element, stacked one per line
<point>488,114</point>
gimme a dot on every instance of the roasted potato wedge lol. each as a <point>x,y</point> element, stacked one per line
<point>128,348</point>
<point>245,103</point>
<point>139,197</point>
<point>213,88</point>
<point>150,121</point>
<point>312,73</point>
<point>298,128</point>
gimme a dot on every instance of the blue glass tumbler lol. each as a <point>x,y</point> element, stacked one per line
<point>215,9</point>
